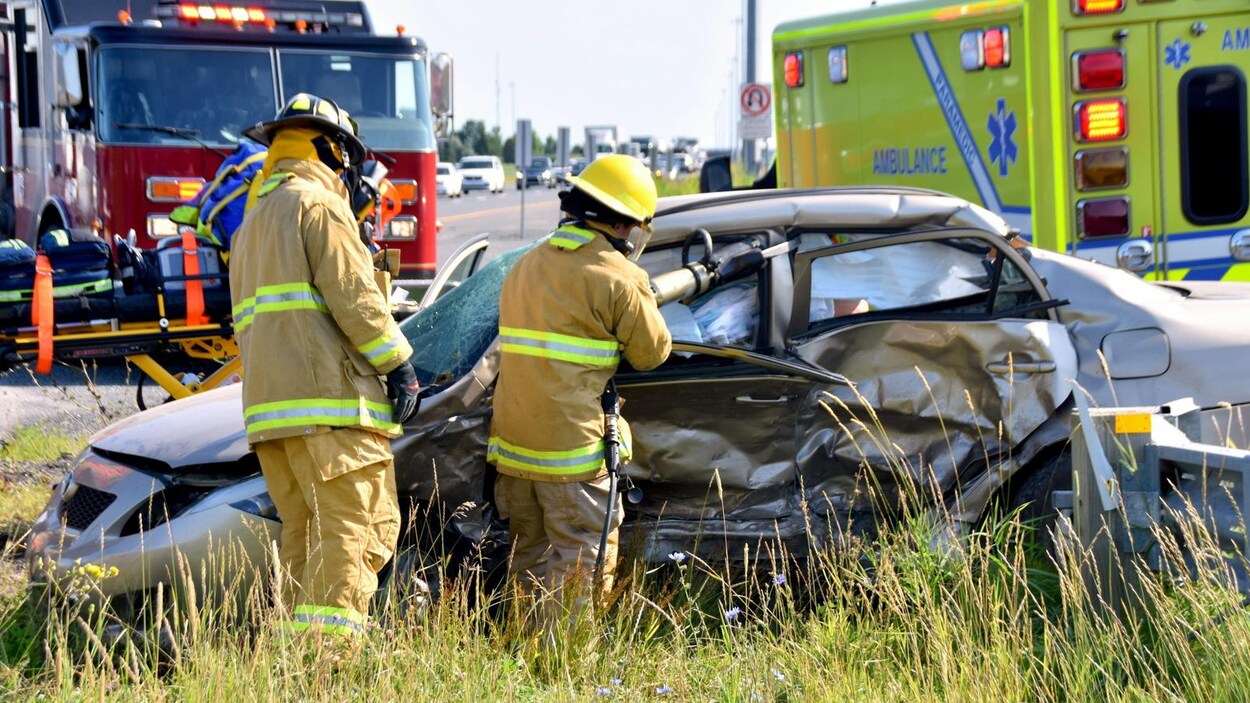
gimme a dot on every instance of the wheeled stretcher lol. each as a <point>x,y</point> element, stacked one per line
<point>78,298</point>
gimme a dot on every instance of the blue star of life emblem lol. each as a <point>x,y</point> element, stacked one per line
<point>1176,54</point>
<point>1002,127</point>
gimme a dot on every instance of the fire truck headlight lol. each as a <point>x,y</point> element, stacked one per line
<point>403,227</point>
<point>161,226</point>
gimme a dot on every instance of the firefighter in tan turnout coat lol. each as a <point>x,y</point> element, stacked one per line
<point>316,339</point>
<point>568,310</point>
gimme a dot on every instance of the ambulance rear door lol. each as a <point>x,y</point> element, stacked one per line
<point>1203,68</point>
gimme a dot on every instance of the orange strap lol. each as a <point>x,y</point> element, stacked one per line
<point>194,287</point>
<point>41,312</point>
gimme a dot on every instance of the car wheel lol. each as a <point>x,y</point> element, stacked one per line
<point>1031,493</point>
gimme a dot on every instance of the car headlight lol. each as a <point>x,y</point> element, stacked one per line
<point>260,505</point>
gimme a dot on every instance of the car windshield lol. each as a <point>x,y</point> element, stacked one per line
<point>444,171</point>
<point>213,94</point>
<point>387,96</point>
<point>451,335</point>
<point>539,163</point>
<point>475,163</point>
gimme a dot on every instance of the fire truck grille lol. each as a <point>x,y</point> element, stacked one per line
<point>85,506</point>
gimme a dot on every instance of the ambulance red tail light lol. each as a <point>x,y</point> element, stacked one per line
<point>1101,120</point>
<point>1098,70</point>
<point>1102,217</point>
<point>997,48</point>
<point>1097,7</point>
<point>794,70</point>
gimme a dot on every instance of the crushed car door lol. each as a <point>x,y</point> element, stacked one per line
<point>713,433</point>
<point>950,340</point>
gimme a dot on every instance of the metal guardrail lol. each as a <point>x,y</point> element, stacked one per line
<point>1137,475</point>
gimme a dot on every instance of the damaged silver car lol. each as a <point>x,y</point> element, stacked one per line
<point>836,352</point>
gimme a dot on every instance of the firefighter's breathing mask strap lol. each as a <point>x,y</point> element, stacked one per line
<point>328,153</point>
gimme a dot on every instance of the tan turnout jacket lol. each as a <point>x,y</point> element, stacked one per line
<point>314,331</point>
<point>567,311</point>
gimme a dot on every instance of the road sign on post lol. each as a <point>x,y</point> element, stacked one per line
<point>756,116</point>
<point>524,145</point>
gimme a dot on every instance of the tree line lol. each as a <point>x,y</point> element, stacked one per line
<point>474,139</point>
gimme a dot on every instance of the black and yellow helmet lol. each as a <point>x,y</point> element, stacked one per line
<point>322,114</point>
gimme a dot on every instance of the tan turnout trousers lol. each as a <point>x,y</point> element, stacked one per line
<point>335,492</point>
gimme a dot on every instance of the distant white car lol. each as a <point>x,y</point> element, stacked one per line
<point>450,181</point>
<point>482,172</point>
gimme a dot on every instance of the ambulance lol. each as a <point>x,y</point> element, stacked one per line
<point>1114,130</point>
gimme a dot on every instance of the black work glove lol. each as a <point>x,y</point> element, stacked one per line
<point>402,389</point>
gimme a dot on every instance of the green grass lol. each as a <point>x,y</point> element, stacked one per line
<point>891,619</point>
<point>38,444</point>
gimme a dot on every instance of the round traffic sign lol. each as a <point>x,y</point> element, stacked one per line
<point>756,99</point>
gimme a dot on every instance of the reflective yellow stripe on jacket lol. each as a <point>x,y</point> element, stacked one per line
<point>319,411</point>
<point>380,351</point>
<point>562,347</point>
<point>571,461</point>
<point>286,296</point>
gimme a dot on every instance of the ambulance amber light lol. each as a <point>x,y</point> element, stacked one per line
<point>1099,70</point>
<point>1101,120</point>
<point>794,70</point>
<point>1099,169</point>
<point>1098,7</point>
<point>169,189</point>
<point>1103,217</point>
<point>997,48</point>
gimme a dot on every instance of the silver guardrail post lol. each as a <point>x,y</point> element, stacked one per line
<point>1136,477</point>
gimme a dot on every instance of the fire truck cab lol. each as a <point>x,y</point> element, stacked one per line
<point>1110,129</point>
<point>115,112</point>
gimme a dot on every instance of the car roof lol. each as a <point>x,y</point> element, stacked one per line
<point>875,208</point>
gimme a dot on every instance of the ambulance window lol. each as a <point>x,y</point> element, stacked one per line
<point>1214,186</point>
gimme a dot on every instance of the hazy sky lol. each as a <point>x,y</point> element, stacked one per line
<point>659,67</point>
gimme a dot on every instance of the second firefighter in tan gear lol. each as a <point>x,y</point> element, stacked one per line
<point>569,310</point>
<point>316,338</point>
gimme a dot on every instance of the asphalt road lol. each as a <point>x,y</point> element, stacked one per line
<point>498,214</point>
<point>79,399</point>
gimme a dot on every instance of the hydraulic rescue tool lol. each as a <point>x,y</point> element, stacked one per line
<point>716,267</point>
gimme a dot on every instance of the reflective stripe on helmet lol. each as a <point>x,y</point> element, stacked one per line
<point>571,461</point>
<point>319,411</point>
<point>561,347</point>
<point>278,298</point>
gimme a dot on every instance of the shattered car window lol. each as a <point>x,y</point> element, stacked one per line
<point>451,335</point>
<point>952,276</point>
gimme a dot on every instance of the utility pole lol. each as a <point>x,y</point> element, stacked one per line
<point>498,121</point>
<point>748,145</point>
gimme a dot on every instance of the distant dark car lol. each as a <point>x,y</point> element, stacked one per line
<point>540,172</point>
<point>896,342</point>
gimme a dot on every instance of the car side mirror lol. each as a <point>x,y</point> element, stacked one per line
<point>442,93</point>
<point>715,176</point>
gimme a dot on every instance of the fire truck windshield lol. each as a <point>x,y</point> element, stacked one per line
<point>215,93</point>
<point>388,96</point>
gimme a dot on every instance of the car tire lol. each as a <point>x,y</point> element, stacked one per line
<point>1030,492</point>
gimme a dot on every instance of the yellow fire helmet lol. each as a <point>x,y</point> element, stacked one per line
<point>621,183</point>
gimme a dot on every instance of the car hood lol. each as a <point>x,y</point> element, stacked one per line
<point>206,428</point>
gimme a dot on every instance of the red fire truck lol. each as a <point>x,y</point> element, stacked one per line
<point>116,111</point>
